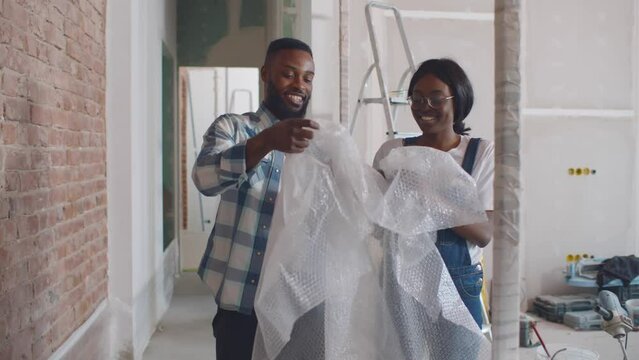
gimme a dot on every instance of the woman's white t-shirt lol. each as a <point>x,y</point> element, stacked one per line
<point>483,173</point>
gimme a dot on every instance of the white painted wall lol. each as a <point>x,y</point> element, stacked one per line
<point>579,55</point>
<point>140,271</point>
<point>325,44</point>
<point>120,219</point>
<point>153,268</point>
<point>575,214</point>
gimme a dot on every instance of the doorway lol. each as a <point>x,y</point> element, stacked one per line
<point>205,94</point>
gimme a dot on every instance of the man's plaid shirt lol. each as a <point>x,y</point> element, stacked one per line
<point>233,258</point>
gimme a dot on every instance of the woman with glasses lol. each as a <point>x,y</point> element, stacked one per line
<point>440,97</point>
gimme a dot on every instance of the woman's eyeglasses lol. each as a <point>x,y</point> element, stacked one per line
<point>435,102</point>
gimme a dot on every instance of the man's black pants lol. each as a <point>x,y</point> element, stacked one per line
<point>234,335</point>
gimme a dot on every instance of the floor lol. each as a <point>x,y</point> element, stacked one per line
<point>185,331</point>
<point>598,341</point>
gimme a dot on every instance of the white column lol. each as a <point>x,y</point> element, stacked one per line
<point>505,315</point>
<point>344,54</point>
<point>635,85</point>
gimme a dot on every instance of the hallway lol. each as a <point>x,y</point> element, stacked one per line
<point>101,224</point>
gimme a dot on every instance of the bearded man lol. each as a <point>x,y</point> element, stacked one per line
<point>241,160</point>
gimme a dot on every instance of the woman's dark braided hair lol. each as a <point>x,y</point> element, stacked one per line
<point>449,72</point>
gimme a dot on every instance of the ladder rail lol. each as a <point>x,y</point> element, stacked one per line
<point>400,26</point>
<point>231,105</point>
<point>380,78</point>
<point>390,110</point>
<point>360,97</point>
<point>399,86</point>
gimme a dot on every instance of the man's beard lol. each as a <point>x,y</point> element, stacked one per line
<point>278,107</point>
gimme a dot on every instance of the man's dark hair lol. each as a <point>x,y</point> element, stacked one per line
<point>449,72</point>
<point>286,44</point>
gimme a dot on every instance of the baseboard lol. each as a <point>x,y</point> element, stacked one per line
<point>105,335</point>
<point>80,332</point>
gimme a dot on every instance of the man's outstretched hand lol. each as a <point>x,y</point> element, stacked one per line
<point>289,136</point>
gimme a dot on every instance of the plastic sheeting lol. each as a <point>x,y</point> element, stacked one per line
<point>352,271</point>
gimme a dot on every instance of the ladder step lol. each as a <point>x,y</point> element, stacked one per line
<point>399,100</point>
<point>393,101</point>
<point>371,100</point>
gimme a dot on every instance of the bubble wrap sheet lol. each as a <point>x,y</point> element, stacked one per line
<point>352,271</point>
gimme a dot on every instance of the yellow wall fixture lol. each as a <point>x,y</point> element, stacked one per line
<point>581,171</point>
<point>570,258</point>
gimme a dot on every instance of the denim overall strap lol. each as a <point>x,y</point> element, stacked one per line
<point>466,276</point>
<point>470,155</point>
<point>410,141</point>
<point>452,246</point>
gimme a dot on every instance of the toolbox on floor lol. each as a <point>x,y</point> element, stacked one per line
<point>554,307</point>
<point>583,320</point>
<point>624,292</point>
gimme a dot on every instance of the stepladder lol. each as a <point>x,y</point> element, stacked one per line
<point>390,100</point>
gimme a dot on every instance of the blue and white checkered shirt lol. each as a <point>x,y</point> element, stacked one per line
<point>233,258</point>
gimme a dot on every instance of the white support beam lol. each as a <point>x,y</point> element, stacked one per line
<point>505,291</point>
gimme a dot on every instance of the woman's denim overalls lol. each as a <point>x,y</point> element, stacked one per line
<point>467,277</point>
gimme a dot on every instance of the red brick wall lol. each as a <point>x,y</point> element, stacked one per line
<point>53,235</point>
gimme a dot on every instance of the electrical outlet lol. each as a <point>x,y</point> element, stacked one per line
<point>581,171</point>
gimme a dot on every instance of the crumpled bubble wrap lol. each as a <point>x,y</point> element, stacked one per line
<point>351,270</point>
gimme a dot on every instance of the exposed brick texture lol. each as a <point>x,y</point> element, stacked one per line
<point>53,234</point>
